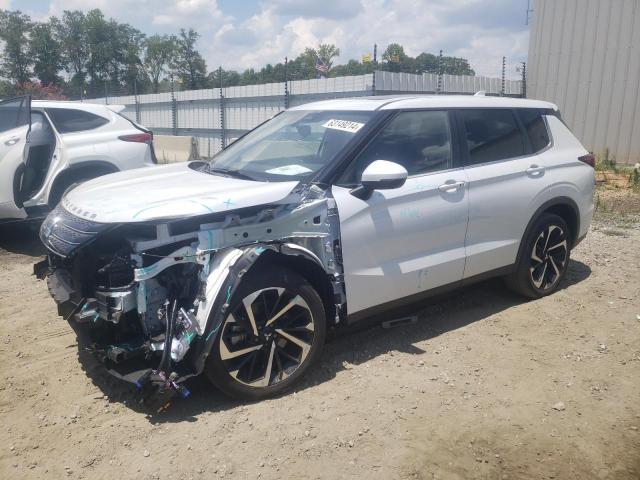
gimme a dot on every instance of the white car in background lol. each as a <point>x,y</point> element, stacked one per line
<point>49,147</point>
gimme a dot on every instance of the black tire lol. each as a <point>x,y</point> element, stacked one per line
<point>306,318</point>
<point>62,190</point>
<point>539,272</point>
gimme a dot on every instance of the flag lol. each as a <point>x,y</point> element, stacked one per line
<point>366,58</point>
<point>321,66</point>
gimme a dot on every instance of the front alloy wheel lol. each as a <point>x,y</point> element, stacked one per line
<point>273,331</point>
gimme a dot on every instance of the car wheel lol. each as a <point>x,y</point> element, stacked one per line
<point>272,334</point>
<point>545,258</point>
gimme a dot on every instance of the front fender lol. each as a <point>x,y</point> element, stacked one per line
<point>222,277</point>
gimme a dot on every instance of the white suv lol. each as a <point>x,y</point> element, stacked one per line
<point>328,213</point>
<point>47,147</point>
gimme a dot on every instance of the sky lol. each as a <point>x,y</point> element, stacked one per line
<point>238,34</point>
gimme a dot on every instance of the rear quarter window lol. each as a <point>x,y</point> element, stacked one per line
<point>67,120</point>
<point>536,128</point>
<point>491,135</point>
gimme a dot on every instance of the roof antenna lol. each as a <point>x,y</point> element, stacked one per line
<point>479,93</point>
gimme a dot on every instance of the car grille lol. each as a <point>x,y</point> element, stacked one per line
<point>63,232</point>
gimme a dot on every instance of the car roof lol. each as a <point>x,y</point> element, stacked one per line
<point>87,107</point>
<point>397,102</point>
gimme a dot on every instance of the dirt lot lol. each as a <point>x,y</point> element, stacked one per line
<point>486,385</point>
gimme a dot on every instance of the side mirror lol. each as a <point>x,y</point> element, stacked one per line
<point>380,175</point>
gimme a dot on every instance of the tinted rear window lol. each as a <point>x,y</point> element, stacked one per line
<point>492,134</point>
<point>536,128</point>
<point>67,120</point>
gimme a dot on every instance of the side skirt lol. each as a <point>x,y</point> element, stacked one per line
<point>405,305</point>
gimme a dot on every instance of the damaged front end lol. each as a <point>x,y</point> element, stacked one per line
<point>148,298</point>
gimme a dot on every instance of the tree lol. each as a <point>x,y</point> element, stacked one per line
<point>326,52</point>
<point>16,63</point>
<point>39,91</point>
<point>72,32</point>
<point>46,53</point>
<point>397,60</point>
<point>159,53</point>
<point>189,65</point>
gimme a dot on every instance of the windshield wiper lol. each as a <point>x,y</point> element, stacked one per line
<point>228,172</point>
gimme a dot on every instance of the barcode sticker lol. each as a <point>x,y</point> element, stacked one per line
<point>344,125</point>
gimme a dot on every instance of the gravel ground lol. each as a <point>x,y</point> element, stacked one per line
<point>485,385</point>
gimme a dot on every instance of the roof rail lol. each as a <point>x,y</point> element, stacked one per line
<point>480,93</point>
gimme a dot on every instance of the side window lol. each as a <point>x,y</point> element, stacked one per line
<point>492,134</point>
<point>67,120</point>
<point>14,113</point>
<point>536,128</point>
<point>419,141</point>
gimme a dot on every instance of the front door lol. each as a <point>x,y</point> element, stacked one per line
<point>14,129</point>
<point>402,242</point>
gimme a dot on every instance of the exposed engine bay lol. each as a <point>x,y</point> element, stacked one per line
<point>147,298</point>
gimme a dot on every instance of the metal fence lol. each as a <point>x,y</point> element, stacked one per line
<point>218,116</point>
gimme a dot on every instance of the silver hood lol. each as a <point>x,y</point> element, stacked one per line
<point>167,192</point>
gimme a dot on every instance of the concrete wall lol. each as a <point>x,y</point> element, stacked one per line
<point>584,56</point>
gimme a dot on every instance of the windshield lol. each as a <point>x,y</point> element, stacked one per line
<point>295,145</point>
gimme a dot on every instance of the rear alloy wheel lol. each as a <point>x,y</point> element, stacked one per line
<point>549,257</point>
<point>274,330</point>
<point>545,258</point>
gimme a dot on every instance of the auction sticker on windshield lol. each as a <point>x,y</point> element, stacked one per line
<point>344,125</point>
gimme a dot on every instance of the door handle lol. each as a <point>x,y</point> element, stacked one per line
<point>534,170</point>
<point>450,187</point>
<point>12,141</point>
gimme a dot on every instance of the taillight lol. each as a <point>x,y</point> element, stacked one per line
<point>145,137</point>
<point>589,159</point>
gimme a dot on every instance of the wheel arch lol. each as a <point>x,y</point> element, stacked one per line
<point>306,265</point>
<point>80,171</point>
<point>566,208</point>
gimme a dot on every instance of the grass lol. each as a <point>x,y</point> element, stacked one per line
<point>605,163</point>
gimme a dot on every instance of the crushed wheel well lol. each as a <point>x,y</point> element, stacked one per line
<point>308,269</point>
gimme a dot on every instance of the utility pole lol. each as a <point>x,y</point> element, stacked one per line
<point>174,112</point>
<point>223,133</point>
<point>439,89</point>
<point>375,62</point>
<point>528,13</point>
<point>504,65</point>
<point>135,96</point>
<point>286,84</point>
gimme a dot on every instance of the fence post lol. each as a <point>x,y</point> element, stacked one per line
<point>174,109</point>
<point>524,79</point>
<point>223,132</point>
<point>439,89</point>
<point>375,63</point>
<point>286,84</point>
<point>135,97</point>
<point>106,94</point>
<point>504,63</point>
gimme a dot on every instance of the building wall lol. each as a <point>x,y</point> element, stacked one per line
<point>584,56</point>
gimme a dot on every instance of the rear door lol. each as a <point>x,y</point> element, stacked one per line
<point>400,243</point>
<point>15,121</point>
<point>507,183</point>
